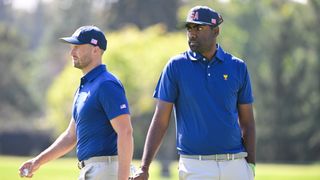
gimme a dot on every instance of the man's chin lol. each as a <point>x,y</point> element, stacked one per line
<point>76,66</point>
<point>193,48</point>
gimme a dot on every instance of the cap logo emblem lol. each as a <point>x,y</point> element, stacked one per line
<point>194,15</point>
<point>94,41</point>
<point>213,21</point>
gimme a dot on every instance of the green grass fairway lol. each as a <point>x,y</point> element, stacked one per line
<point>61,169</point>
<point>287,172</point>
<point>66,169</point>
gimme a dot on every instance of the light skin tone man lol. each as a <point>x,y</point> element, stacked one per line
<point>202,39</point>
<point>87,57</point>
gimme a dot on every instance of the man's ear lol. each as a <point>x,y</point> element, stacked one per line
<point>96,50</point>
<point>216,31</point>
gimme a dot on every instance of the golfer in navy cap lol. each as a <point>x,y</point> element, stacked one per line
<point>100,126</point>
<point>210,92</point>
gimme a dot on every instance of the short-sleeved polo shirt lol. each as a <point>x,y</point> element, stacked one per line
<point>205,95</point>
<point>99,99</point>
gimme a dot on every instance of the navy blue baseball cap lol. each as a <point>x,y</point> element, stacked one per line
<point>87,35</point>
<point>204,15</point>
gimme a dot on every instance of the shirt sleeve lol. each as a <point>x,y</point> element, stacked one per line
<point>245,95</point>
<point>113,99</point>
<point>167,89</point>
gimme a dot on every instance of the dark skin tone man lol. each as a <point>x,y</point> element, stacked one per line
<point>201,39</point>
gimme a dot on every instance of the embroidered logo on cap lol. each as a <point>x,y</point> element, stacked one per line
<point>194,15</point>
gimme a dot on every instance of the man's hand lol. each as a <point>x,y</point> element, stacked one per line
<point>28,168</point>
<point>140,175</point>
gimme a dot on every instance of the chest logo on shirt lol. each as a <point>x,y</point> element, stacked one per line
<point>225,77</point>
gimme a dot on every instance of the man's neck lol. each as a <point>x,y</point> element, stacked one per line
<point>89,68</point>
<point>211,53</point>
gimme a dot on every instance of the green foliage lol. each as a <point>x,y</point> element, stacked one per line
<point>278,39</point>
<point>137,58</point>
<point>16,100</point>
<point>284,82</point>
<point>60,98</point>
<point>143,14</point>
<point>279,44</point>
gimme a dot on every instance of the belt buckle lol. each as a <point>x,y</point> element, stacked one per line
<point>230,157</point>
<point>81,164</point>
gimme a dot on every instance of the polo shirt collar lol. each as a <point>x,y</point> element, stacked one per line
<point>195,56</point>
<point>90,76</point>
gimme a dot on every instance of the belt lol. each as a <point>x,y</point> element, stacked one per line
<point>217,157</point>
<point>82,164</point>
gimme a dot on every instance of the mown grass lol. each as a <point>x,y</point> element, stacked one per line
<point>66,169</point>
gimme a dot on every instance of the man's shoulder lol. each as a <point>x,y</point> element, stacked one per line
<point>180,57</point>
<point>234,62</point>
<point>107,76</point>
<point>228,57</point>
<point>109,79</point>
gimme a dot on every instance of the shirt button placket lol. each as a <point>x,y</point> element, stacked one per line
<point>209,74</point>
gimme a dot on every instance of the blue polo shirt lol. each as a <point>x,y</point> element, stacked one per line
<point>205,96</point>
<point>99,99</point>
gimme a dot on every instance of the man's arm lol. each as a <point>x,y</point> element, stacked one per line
<point>62,145</point>
<point>122,125</point>
<point>247,125</point>
<point>156,132</point>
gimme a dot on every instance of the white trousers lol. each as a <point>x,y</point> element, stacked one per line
<point>100,171</point>
<point>193,169</point>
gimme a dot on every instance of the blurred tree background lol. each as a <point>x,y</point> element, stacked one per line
<point>278,39</point>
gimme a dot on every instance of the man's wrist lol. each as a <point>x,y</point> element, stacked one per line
<point>144,168</point>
